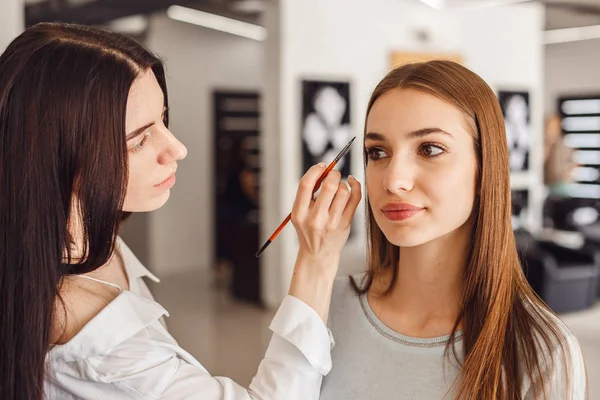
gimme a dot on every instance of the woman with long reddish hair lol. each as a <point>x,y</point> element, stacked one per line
<point>444,309</point>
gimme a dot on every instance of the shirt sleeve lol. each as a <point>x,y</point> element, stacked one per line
<point>298,357</point>
<point>564,377</point>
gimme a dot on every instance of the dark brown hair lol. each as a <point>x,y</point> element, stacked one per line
<point>63,97</point>
<point>507,329</point>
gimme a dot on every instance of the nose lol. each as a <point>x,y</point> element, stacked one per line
<point>399,176</point>
<point>172,150</point>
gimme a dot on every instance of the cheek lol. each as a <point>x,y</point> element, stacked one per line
<point>453,189</point>
<point>132,188</point>
<point>373,180</point>
<point>134,184</point>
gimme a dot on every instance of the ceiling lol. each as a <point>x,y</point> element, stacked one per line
<point>559,13</point>
<point>101,12</point>
<point>571,13</point>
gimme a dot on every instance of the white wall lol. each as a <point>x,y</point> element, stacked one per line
<point>12,21</point>
<point>198,60</point>
<point>352,39</point>
<point>571,68</point>
<point>512,59</point>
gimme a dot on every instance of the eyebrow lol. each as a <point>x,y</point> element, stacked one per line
<point>138,131</point>
<point>412,135</point>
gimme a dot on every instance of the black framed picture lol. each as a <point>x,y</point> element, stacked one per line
<point>579,116</point>
<point>520,207</point>
<point>517,118</point>
<point>325,126</point>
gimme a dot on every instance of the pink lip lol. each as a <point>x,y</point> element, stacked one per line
<point>400,207</point>
<point>167,183</point>
<point>400,211</point>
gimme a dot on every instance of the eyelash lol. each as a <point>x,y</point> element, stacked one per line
<point>436,145</point>
<point>141,144</point>
<point>372,150</point>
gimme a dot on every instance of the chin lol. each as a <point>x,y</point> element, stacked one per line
<point>408,238</point>
<point>414,237</point>
<point>147,205</point>
<point>404,234</point>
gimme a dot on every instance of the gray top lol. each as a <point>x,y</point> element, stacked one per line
<point>371,361</point>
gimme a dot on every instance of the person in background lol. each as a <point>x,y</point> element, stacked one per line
<point>558,159</point>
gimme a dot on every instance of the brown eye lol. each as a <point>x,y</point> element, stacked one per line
<point>431,150</point>
<point>376,154</point>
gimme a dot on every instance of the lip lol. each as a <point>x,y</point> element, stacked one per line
<point>400,211</point>
<point>167,183</point>
<point>400,207</point>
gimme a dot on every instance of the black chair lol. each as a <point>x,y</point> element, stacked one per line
<point>559,212</point>
<point>591,234</point>
<point>566,279</point>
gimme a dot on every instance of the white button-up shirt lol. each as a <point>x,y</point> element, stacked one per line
<point>125,352</point>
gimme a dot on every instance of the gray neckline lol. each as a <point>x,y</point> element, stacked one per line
<point>400,338</point>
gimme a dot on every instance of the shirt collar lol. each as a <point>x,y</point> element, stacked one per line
<point>126,315</point>
<point>135,268</point>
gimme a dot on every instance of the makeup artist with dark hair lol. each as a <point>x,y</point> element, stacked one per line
<point>85,140</point>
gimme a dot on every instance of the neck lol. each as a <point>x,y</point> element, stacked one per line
<point>426,297</point>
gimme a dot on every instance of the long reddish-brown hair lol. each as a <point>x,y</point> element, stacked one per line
<point>507,329</point>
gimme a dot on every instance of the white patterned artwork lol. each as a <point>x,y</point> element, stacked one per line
<point>325,123</point>
<point>516,111</point>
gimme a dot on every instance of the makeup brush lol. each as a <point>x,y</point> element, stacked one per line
<point>317,186</point>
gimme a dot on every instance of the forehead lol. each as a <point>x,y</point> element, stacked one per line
<point>401,111</point>
<point>145,100</point>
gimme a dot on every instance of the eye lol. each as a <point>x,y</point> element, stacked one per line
<point>376,153</point>
<point>141,144</point>
<point>431,150</point>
